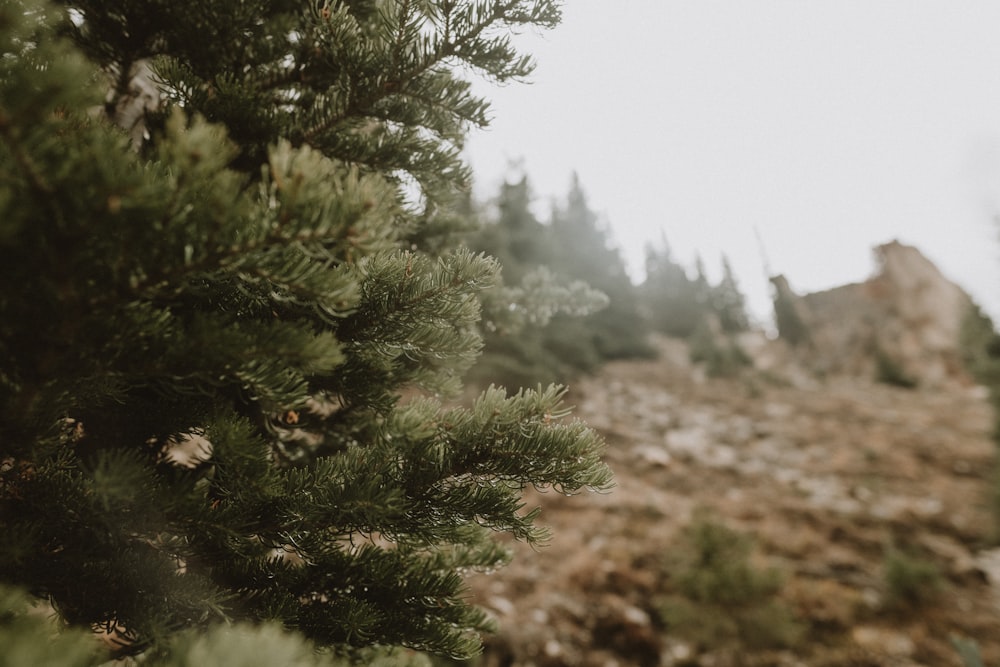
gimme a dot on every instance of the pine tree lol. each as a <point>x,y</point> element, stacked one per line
<point>702,288</point>
<point>570,257</point>
<point>518,338</point>
<point>676,305</point>
<point>223,257</point>
<point>728,302</point>
<point>515,237</point>
<point>584,252</point>
<point>787,316</point>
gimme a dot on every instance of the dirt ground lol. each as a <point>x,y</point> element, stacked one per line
<point>867,510</point>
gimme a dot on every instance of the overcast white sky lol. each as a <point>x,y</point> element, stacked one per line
<point>829,126</point>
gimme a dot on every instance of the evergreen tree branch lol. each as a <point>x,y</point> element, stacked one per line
<point>27,166</point>
<point>462,46</point>
<point>184,294</point>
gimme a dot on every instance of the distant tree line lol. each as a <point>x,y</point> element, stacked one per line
<point>574,247</point>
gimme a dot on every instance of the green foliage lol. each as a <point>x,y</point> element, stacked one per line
<point>968,651</point>
<point>979,343</point>
<point>677,305</point>
<point>682,307</point>
<point>719,596</point>
<point>531,357</point>
<point>206,326</point>
<point>910,579</point>
<point>728,302</point>
<point>30,636</point>
<point>707,316</point>
<point>572,257</point>
<point>716,567</point>
<point>513,234</point>
<point>980,346</point>
<point>791,327</point>
<point>245,645</point>
<point>584,251</point>
<point>888,371</point>
<point>721,354</point>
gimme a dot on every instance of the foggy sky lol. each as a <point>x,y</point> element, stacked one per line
<point>828,127</point>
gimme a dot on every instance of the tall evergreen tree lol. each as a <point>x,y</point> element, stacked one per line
<point>571,255</point>
<point>787,316</point>
<point>584,251</point>
<point>215,282</point>
<point>728,302</point>
<point>516,238</point>
<point>676,305</point>
<point>522,346</point>
<point>702,288</point>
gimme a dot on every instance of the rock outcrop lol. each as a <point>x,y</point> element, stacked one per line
<point>907,317</point>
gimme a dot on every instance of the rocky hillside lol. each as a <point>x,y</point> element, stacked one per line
<point>763,520</point>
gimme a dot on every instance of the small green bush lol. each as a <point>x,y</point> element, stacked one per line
<point>32,637</point>
<point>980,347</point>
<point>910,579</point>
<point>888,371</point>
<point>723,358</point>
<point>719,597</point>
<point>968,651</point>
<point>717,569</point>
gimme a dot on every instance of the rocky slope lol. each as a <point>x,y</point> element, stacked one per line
<point>868,508</point>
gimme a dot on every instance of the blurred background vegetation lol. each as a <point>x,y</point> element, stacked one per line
<point>570,247</point>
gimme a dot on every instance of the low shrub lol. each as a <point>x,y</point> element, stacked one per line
<point>719,597</point>
<point>722,358</point>
<point>910,579</point>
<point>889,371</point>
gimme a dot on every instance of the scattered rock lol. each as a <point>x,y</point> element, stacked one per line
<point>653,455</point>
<point>881,641</point>
<point>827,477</point>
